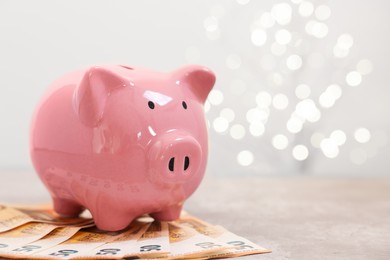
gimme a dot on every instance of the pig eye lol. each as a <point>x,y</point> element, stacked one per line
<point>151,105</point>
<point>184,104</point>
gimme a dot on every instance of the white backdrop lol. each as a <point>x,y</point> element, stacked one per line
<point>261,52</point>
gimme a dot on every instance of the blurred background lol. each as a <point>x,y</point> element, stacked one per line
<point>302,86</point>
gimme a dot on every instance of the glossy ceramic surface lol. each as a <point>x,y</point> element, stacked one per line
<point>122,141</point>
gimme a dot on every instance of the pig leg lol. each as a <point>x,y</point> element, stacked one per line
<point>67,208</point>
<point>111,218</point>
<point>168,214</point>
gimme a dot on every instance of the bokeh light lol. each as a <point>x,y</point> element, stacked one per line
<point>328,98</point>
<point>302,91</point>
<point>329,147</point>
<point>294,125</point>
<point>228,113</point>
<point>283,36</point>
<point>290,59</point>
<point>294,62</point>
<point>245,158</point>
<point>215,97</point>
<point>345,41</point>
<point>316,29</point>
<point>339,137</point>
<point>353,78</point>
<point>210,23</point>
<point>362,135</point>
<point>306,8</point>
<point>257,115</point>
<point>267,20</point>
<point>237,132</point>
<point>308,110</point>
<point>364,67</point>
<point>263,99</point>
<point>259,37</point>
<point>335,91</point>
<point>300,152</point>
<point>316,139</point>
<point>280,142</point>
<point>256,129</point>
<point>207,106</point>
<point>220,124</point>
<point>282,13</point>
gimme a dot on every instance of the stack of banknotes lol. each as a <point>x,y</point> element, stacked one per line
<point>38,233</point>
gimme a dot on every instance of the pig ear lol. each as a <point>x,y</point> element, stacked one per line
<point>200,80</point>
<point>91,94</point>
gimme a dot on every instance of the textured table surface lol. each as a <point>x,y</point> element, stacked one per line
<point>296,217</point>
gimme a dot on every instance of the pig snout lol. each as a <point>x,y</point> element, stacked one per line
<point>174,157</point>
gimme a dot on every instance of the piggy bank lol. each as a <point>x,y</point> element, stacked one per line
<point>122,141</point>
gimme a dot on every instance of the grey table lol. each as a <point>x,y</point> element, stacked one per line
<point>296,217</point>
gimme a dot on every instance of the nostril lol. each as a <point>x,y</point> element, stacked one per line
<point>186,162</point>
<point>171,164</point>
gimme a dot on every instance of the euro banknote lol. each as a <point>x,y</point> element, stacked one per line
<point>39,233</point>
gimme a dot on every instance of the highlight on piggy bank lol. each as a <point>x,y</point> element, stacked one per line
<point>122,141</point>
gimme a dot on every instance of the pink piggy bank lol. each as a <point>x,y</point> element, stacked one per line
<point>122,141</point>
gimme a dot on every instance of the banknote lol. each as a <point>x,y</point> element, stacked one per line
<point>11,217</point>
<point>41,234</point>
<point>24,234</point>
<point>80,244</point>
<point>187,243</point>
<point>48,215</point>
<point>154,243</point>
<point>123,245</point>
<point>55,237</point>
<point>240,246</point>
